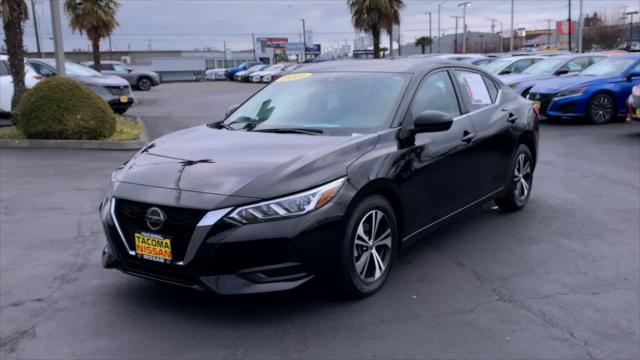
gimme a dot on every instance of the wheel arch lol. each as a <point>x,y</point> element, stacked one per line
<point>529,139</point>
<point>388,190</point>
<point>608,92</point>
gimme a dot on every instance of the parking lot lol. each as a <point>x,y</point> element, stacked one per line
<point>558,280</point>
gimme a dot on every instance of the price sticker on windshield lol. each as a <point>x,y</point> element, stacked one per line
<point>293,77</point>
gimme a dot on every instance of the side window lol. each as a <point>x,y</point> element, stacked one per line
<point>492,87</point>
<point>108,67</point>
<point>578,64</point>
<point>595,59</point>
<point>474,87</point>
<point>4,68</point>
<point>41,69</point>
<point>436,92</point>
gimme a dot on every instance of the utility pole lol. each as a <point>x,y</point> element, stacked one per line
<point>57,36</point>
<point>110,50</point>
<point>35,27</point>
<point>549,32</point>
<point>253,41</point>
<point>630,14</point>
<point>493,31</point>
<point>439,33</point>
<point>580,25</point>
<point>569,25</point>
<point>304,41</point>
<point>455,44</point>
<point>464,25</point>
<point>429,13</point>
<point>224,52</point>
<point>501,37</point>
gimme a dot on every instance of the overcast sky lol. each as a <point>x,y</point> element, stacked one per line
<point>189,24</point>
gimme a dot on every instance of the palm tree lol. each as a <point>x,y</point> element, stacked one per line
<point>373,16</point>
<point>95,17</point>
<point>14,14</point>
<point>423,42</point>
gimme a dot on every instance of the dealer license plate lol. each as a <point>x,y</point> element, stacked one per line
<point>153,247</point>
<point>124,98</point>
<point>537,105</point>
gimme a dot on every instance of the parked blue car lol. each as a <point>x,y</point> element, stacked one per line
<point>598,93</point>
<point>549,69</point>
<point>242,67</point>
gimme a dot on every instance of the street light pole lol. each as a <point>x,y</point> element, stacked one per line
<point>630,14</point>
<point>511,35</point>
<point>569,25</point>
<point>430,37</point>
<point>464,25</point>
<point>304,41</point>
<point>580,25</point>
<point>35,28</point>
<point>57,36</point>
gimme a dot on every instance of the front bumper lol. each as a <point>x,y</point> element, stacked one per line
<point>226,258</point>
<point>564,107</point>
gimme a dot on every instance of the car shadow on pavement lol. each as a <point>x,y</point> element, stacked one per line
<point>314,295</point>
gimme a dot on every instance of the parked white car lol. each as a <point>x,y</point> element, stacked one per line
<point>216,74</point>
<point>31,78</point>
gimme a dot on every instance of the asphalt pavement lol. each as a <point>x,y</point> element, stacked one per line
<point>558,280</point>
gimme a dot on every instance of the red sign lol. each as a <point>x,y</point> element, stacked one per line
<point>274,41</point>
<point>562,27</point>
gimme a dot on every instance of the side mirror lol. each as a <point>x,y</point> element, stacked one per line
<point>505,72</point>
<point>129,69</point>
<point>562,72</point>
<point>432,121</point>
<point>231,109</point>
<point>633,74</point>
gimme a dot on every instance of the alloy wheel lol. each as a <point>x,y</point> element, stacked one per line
<point>522,178</point>
<point>372,246</point>
<point>601,109</point>
<point>144,84</point>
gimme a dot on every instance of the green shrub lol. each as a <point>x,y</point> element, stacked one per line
<point>60,108</point>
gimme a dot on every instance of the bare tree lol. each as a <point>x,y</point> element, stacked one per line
<point>604,33</point>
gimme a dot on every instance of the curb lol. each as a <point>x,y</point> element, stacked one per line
<point>78,144</point>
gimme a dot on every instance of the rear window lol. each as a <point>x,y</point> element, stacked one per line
<point>4,68</point>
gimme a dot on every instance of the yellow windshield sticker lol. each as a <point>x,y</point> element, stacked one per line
<point>293,77</point>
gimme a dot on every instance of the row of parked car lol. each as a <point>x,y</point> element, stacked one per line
<point>113,84</point>
<point>251,71</point>
<point>598,87</point>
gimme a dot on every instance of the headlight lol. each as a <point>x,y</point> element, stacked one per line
<point>571,92</point>
<point>289,206</point>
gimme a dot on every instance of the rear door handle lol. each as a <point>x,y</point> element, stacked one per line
<point>467,136</point>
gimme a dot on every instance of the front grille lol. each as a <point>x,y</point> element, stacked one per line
<point>545,101</point>
<point>118,90</point>
<point>179,225</point>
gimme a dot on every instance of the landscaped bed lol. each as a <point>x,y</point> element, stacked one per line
<point>126,129</point>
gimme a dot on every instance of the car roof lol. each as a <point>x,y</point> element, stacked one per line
<point>399,65</point>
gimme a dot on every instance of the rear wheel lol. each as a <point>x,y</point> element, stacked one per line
<point>369,247</point>
<point>144,84</point>
<point>520,182</point>
<point>601,109</point>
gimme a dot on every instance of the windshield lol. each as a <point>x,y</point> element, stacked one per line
<point>73,69</point>
<point>494,67</point>
<point>609,67</point>
<point>338,103</point>
<point>547,66</point>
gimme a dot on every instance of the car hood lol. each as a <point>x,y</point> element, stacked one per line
<point>102,80</point>
<point>560,83</point>
<point>243,164</point>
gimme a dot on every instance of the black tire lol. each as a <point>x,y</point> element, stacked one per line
<point>144,84</point>
<point>601,109</point>
<point>515,197</point>
<point>355,283</point>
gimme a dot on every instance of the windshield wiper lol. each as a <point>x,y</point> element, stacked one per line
<point>306,131</point>
<point>220,125</point>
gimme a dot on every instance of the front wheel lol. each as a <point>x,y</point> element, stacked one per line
<point>369,247</point>
<point>518,188</point>
<point>144,84</point>
<point>601,109</point>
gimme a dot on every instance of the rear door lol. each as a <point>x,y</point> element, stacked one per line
<point>494,142</point>
<point>6,87</point>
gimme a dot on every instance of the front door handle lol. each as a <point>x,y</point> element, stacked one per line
<point>467,136</point>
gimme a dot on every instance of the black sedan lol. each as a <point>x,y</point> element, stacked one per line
<point>326,173</point>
